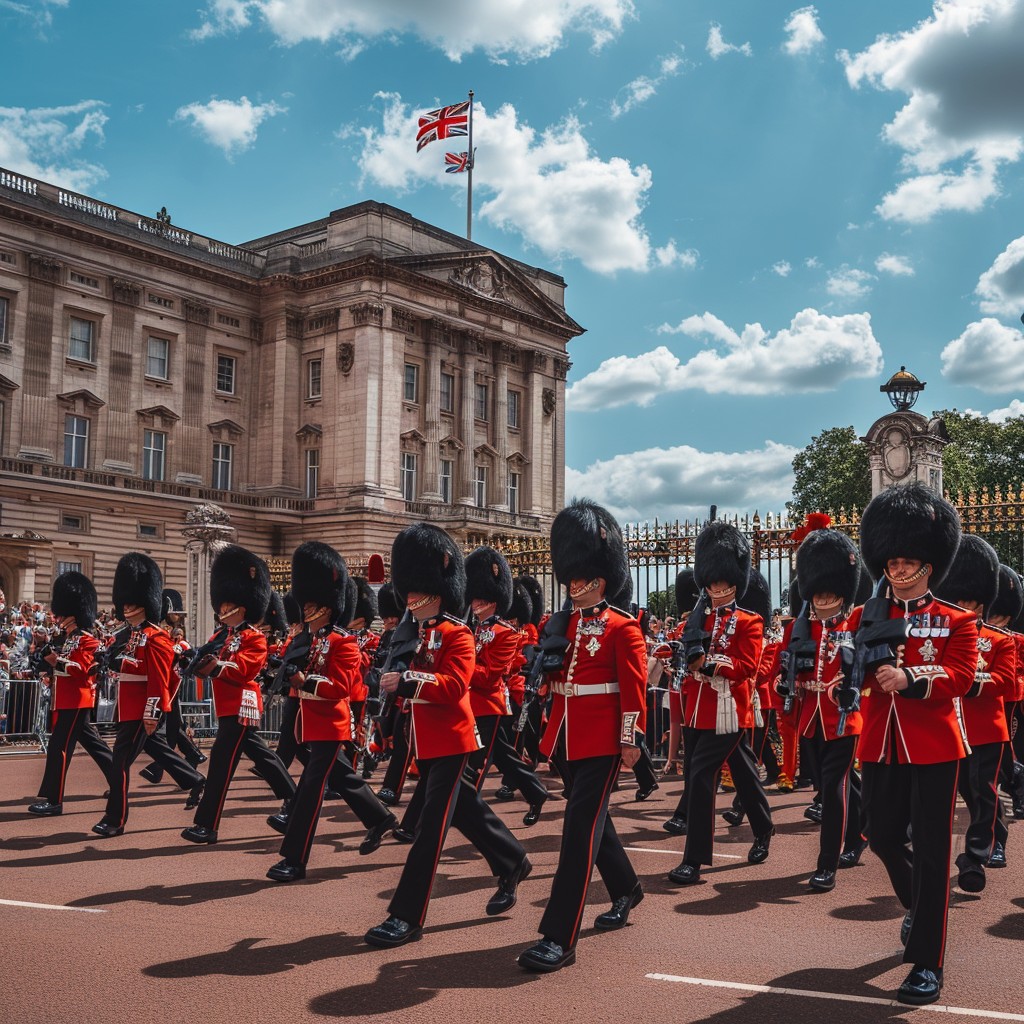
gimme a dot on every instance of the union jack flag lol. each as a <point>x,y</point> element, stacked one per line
<point>445,123</point>
<point>455,163</point>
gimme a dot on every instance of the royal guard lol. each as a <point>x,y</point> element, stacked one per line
<point>489,594</point>
<point>142,655</point>
<point>363,614</point>
<point>922,654</point>
<point>973,583</point>
<point>528,742</point>
<point>597,719</point>
<point>429,574</point>
<point>288,738</point>
<point>394,727</point>
<point>233,659</point>
<point>519,618</point>
<point>722,652</point>
<point>1005,613</point>
<point>72,658</point>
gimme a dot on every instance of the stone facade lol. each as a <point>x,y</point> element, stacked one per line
<point>336,380</point>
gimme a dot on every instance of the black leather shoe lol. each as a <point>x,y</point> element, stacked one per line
<point>645,791</point>
<point>996,860</point>
<point>850,857</point>
<point>908,923</point>
<point>546,956</point>
<point>200,834</point>
<point>331,794</point>
<point>759,851</point>
<point>196,760</point>
<point>387,796</point>
<point>972,874</point>
<point>373,838</point>
<point>532,816</point>
<point>676,825</point>
<point>392,932</point>
<point>813,813</point>
<point>685,874</point>
<point>505,794</point>
<point>108,831</point>
<point>505,898</point>
<point>195,794</point>
<point>282,871</point>
<point>922,986</point>
<point>733,816</point>
<point>152,773</point>
<point>619,914</point>
<point>403,835</point>
<point>278,822</point>
<point>822,881</point>
<point>47,810</point>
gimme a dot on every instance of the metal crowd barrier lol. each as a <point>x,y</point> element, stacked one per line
<point>25,711</point>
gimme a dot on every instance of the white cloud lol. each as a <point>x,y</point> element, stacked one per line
<point>681,482</point>
<point>718,47</point>
<point>988,355</point>
<point>812,263</point>
<point>849,283</point>
<point>803,33</point>
<point>502,29</point>
<point>228,124</point>
<point>815,353</point>
<point>641,89</point>
<point>782,268</point>
<point>38,10</point>
<point>1001,287</point>
<point>1010,412</point>
<point>898,266</point>
<point>669,256</point>
<point>547,186</point>
<point>964,118</point>
<point>44,142</point>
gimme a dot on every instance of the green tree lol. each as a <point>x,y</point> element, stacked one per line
<point>831,473</point>
<point>662,603</point>
<point>981,453</point>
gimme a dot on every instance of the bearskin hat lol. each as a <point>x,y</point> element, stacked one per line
<point>796,600</point>
<point>348,613</point>
<point>909,522</point>
<point>866,584</point>
<point>687,592</point>
<point>1010,599</point>
<point>488,578</point>
<point>319,577</point>
<point>388,605</point>
<point>172,604</point>
<point>586,542</point>
<point>1017,625</point>
<point>973,574</point>
<point>138,580</point>
<point>74,594</point>
<point>721,552</point>
<point>827,562</point>
<point>239,577</point>
<point>536,592</point>
<point>757,598</point>
<point>522,606</point>
<point>623,597</point>
<point>292,610</point>
<point>426,560</point>
<point>366,601</point>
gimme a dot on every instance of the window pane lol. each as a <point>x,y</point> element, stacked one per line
<point>481,486</point>
<point>408,476</point>
<point>315,384</point>
<point>481,402</point>
<point>312,471</point>
<point>63,567</point>
<point>412,375</point>
<point>445,482</point>
<point>80,346</point>
<point>154,447</point>
<point>4,307</point>
<point>226,374</point>
<point>513,492</point>
<point>76,441</point>
<point>447,392</point>
<point>156,358</point>
<point>222,458</point>
<point>513,408</point>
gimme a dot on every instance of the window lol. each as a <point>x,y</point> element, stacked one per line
<point>159,300</point>
<point>444,481</point>
<point>226,374</point>
<point>83,279</point>
<point>314,378</point>
<point>158,358</point>
<point>481,404</point>
<point>408,476</point>
<point>5,306</point>
<point>480,487</point>
<point>80,346</point>
<point>447,392</point>
<point>513,493</point>
<point>154,452</point>
<point>63,567</point>
<point>312,471</point>
<point>149,530</point>
<point>71,522</point>
<point>76,441</point>
<point>513,409</point>
<point>222,458</point>
<point>412,382</point>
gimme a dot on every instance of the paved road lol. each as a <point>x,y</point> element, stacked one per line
<point>165,931</point>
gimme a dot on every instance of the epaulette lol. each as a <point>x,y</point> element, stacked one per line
<point>448,617</point>
<point>625,615</point>
<point>504,622</point>
<point>997,629</point>
<point>340,630</point>
<point>950,604</point>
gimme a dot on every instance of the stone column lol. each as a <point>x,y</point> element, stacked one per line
<point>464,490</point>
<point>207,529</point>
<point>500,482</point>
<point>431,405</point>
<point>533,426</point>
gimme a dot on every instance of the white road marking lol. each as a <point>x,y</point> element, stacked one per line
<point>49,906</point>
<point>675,853</point>
<point>841,997</point>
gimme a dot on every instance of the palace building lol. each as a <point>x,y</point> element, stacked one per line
<point>336,380</point>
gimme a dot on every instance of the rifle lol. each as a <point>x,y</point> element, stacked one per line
<point>547,655</point>
<point>874,645</point>
<point>695,639</point>
<point>189,661</point>
<point>295,659</point>
<point>396,657</point>
<point>108,658</point>
<point>798,657</point>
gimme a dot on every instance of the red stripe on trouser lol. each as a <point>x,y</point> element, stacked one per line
<point>64,757</point>
<point>952,816</point>
<point>995,799</point>
<point>124,783</point>
<point>232,765</point>
<point>316,815</point>
<point>444,832</point>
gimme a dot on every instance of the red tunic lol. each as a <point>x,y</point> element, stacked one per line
<point>242,656</point>
<point>497,644</point>
<point>145,672</point>
<point>995,682</point>
<point>919,725</point>
<point>74,678</point>
<point>179,648</point>
<point>335,668</point>
<point>368,642</point>
<point>767,671</point>
<point>516,682</point>
<point>1018,639</point>
<point>599,701</point>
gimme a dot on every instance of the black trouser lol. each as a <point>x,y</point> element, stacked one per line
<point>70,728</point>
<point>709,751</point>
<point>979,774</point>
<point>127,746</point>
<point>497,746</point>
<point>449,800</point>
<point>840,796</point>
<point>688,741</point>
<point>354,789</point>
<point>177,736</point>
<point>401,756</point>
<point>1016,724</point>
<point>304,812</point>
<point>643,771</point>
<point>588,838</point>
<point>762,747</point>
<point>287,739</point>
<point>921,797</point>
<point>234,739</point>
<point>184,775</point>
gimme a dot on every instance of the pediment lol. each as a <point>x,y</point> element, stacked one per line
<point>310,431</point>
<point>413,437</point>
<point>82,395</point>
<point>6,384</point>
<point>517,459</point>
<point>233,428</point>
<point>451,443</point>
<point>486,450</point>
<point>159,412</point>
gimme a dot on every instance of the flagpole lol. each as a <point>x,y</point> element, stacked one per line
<point>469,183</point>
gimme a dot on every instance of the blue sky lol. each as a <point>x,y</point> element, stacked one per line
<point>761,209</point>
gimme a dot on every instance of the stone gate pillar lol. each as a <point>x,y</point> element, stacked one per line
<point>207,529</point>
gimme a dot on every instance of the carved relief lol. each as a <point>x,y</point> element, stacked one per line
<point>547,401</point>
<point>561,368</point>
<point>294,323</point>
<point>195,312</point>
<point>346,357</point>
<point>538,362</point>
<point>403,320</point>
<point>481,277</point>
<point>368,313</point>
<point>256,330</point>
<point>326,319</point>
<point>42,269</point>
<point>509,353</point>
<point>126,292</point>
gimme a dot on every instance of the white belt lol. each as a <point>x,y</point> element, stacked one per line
<point>125,678</point>
<point>816,687</point>
<point>583,689</point>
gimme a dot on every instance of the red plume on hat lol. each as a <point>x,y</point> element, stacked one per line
<point>812,521</point>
